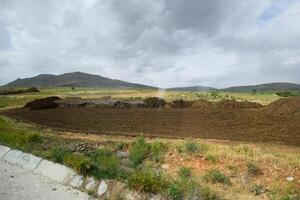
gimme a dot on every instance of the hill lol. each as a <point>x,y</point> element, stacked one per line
<point>264,87</point>
<point>193,88</point>
<point>75,79</point>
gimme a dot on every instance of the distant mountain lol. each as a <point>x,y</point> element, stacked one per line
<point>264,87</point>
<point>193,88</point>
<point>75,79</point>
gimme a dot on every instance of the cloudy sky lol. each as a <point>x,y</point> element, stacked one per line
<point>164,43</point>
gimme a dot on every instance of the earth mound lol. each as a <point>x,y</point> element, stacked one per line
<point>180,103</point>
<point>202,104</point>
<point>284,106</point>
<point>155,102</point>
<point>233,104</point>
<point>44,103</point>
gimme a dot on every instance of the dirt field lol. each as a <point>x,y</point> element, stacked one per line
<point>257,125</point>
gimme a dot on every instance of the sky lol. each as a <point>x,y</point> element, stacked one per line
<point>164,43</point>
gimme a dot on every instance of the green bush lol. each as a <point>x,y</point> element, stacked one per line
<point>253,169</point>
<point>157,150</point>
<point>105,164</point>
<point>35,138</point>
<point>58,154</point>
<point>138,151</point>
<point>147,181</point>
<point>120,145</point>
<point>185,172</point>
<point>194,147</point>
<point>174,192</point>
<point>215,176</point>
<point>79,162</point>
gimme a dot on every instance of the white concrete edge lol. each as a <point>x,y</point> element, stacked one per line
<point>54,171</point>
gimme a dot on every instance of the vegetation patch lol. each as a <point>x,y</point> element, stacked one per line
<point>138,151</point>
<point>215,176</point>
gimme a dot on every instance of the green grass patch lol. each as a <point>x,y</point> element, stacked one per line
<point>215,176</point>
<point>138,151</point>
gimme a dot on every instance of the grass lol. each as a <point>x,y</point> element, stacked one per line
<point>138,151</point>
<point>215,176</point>
<point>253,169</point>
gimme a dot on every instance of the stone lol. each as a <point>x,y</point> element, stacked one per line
<point>76,182</point>
<point>102,188</point>
<point>122,154</point>
<point>3,150</point>
<point>165,166</point>
<point>56,172</point>
<point>91,184</point>
<point>290,179</point>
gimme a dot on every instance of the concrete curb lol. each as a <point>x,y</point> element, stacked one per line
<point>53,171</point>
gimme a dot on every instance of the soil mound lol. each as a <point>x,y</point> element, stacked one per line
<point>155,102</point>
<point>44,103</point>
<point>233,104</point>
<point>180,103</point>
<point>202,104</point>
<point>284,106</point>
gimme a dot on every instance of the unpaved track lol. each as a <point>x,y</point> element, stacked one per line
<point>236,124</point>
<point>19,184</point>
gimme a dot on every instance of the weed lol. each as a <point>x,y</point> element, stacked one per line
<point>212,158</point>
<point>185,172</point>
<point>147,181</point>
<point>79,162</point>
<point>58,154</point>
<point>174,192</point>
<point>138,151</point>
<point>157,150</point>
<point>215,176</point>
<point>194,147</point>
<point>120,145</point>
<point>105,164</point>
<point>35,138</point>
<point>253,169</point>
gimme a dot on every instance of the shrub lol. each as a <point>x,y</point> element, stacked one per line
<point>191,147</point>
<point>212,158</point>
<point>253,169</point>
<point>79,162</point>
<point>58,154</point>
<point>105,164</point>
<point>138,151</point>
<point>174,192</point>
<point>35,138</point>
<point>147,181</point>
<point>215,176</point>
<point>185,172</point>
<point>194,147</point>
<point>157,150</point>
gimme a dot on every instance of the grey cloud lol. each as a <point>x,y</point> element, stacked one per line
<point>159,42</point>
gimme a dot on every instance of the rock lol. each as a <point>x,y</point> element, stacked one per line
<point>102,188</point>
<point>290,179</point>
<point>122,154</point>
<point>91,184</point>
<point>76,182</point>
<point>156,197</point>
<point>132,195</point>
<point>165,166</point>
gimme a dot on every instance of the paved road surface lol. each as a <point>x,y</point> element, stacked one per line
<point>19,184</point>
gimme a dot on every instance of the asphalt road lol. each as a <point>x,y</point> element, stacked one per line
<point>20,184</point>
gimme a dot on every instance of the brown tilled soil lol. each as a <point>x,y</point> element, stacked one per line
<point>261,124</point>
